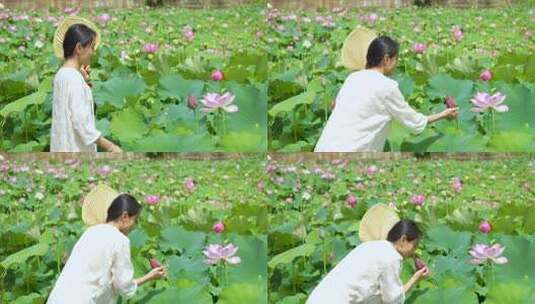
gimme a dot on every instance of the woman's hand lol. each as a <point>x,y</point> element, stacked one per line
<point>450,113</point>
<point>421,274</point>
<point>157,273</point>
<point>86,73</point>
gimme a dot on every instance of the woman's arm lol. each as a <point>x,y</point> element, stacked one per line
<point>154,274</point>
<point>450,113</point>
<point>416,277</point>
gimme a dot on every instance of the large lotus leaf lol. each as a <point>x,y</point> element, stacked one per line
<point>138,238</point>
<point>183,267</point>
<point>405,82</point>
<point>19,105</point>
<point>458,295</point>
<point>442,85</point>
<point>33,298</point>
<point>289,104</point>
<point>117,89</point>
<point>253,267</point>
<point>288,256</point>
<point>521,114</point>
<point>443,238</point>
<point>172,143</point>
<point>244,293</point>
<point>512,142</point>
<point>518,251</point>
<point>127,125</point>
<point>175,86</point>
<point>459,141</point>
<point>251,116</point>
<point>177,238</point>
<point>421,142</point>
<point>243,142</point>
<point>197,295</point>
<point>520,292</point>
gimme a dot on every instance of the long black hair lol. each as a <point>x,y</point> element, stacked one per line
<point>406,228</point>
<point>381,46</point>
<point>123,203</point>
<point>77,33</point>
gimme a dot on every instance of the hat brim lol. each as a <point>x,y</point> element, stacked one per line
<point>355,48</point>
<point>377,222</point>
<point>59,36</point>
<point>96,204</point>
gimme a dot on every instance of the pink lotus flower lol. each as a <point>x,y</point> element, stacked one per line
<point>216,253</point>
<point>483,253</point>
<point>485,75</point>
<point>450,102</point>
<point>188,33</point>
<point>372,169</point>
<point>419,48</point>
<point>218,227</point>
<point>104,170</point>
<point>485,227</point>
<point>213,102</point>
<point>150,48</point>
<point>351,200</point>
<point>152,199</point>
<point>260,186</point>
<point>104,19</point>
<point>418,199</point>
<point>189,183</point>
<point>457,184</point>
<point>154,263</point>
<point>192,102</point>
<point>484,101</point>
<point>457,33</point>
<point>217,75</point>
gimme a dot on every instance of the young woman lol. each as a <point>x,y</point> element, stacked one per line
<point>99,268</point>
<point>370,273</point>
<point>368,102</point>
<point>73,118</point>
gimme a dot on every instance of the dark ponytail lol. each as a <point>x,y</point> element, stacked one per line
<point>407,228</point>
<point>77,33</point>
<point>123,203</point>
<point>380,47</point>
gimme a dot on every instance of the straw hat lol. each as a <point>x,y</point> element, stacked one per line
<point>59,36</point>
<point>355,48</point>
<point>96,204</point>
<point>377,222</point>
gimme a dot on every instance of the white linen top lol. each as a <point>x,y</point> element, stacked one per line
<point>98,269</point>
<point>362,117</point>
<point>73,118</point>
<point>369,274</point>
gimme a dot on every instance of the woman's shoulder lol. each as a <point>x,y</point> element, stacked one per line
<point>69,75</point>
<point>110,232</point>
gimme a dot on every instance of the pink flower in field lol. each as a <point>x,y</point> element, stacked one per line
<point>485,75</point>
<point>150,48</point>
<point>418,199</point>
<point>104,19</point>
<point>457,33</point>
<point>216,253</point>
<point>213,102</point>
<point>485,227</point>
<point>351,200</point>
<point>218,227</point>
<point>289,200</point>
<point>190,184</point>
<point>372,169</point>
<point>419,48</point>
<point>260,186</point>
<point>457,184</point>
<point>484,101</point>
<point>152,199</point>
<point>328,176</point>
<point>192,102</point>
<point>528,34</point>
<point>217,75</point>
<point>104,170</point>
<point>483,253</point>
<point>188,33</point>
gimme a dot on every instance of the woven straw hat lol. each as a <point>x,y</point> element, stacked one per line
<point>59,36</point>
<point>355,48</point>
<point>96,204</point>
<point>377,222</point>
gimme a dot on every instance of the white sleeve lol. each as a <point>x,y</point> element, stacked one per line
<point>396,105</point>
<point>82,119</point>
<point>123,271</point>
<point>390,284</point>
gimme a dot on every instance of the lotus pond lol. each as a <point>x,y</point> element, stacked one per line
<point>443,52</point>
<point>151,62</point>
<point>464,208</point>
<point>187,206</point>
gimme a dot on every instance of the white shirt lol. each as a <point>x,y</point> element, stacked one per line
<point>98,269</point>
<point>73,117</point>
<point>369,274</point>
<point>362,117</point>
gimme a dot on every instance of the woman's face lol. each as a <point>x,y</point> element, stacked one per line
<point>390,64</point>
<point>405,247</point>
<point>85,53</point>
<point>127,223</point>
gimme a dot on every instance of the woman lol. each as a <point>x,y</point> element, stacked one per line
<point>368,102</point>
<point>99,268</point>
<point>73,118</point>
<point>370,273</point>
